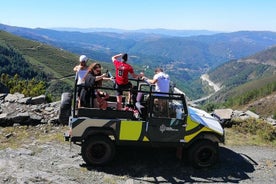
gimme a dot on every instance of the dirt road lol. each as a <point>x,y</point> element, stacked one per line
<point>53,162</point>
<point>205,77</point>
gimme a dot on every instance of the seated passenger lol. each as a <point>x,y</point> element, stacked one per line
<point>92,97</point>
<point>101,96</point>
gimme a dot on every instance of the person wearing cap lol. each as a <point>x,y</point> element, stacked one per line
<point>122,69</point>
<point>81,70</point>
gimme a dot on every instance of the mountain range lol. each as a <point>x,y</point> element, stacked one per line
<point>185,58</point>
<point>168,32</point>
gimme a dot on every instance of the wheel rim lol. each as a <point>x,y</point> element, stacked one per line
<point>205,156</point>
<point>97,151</point>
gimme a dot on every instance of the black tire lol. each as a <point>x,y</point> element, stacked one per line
<point>203,153</point>
<point>65,108</point>
<point>98,150</point>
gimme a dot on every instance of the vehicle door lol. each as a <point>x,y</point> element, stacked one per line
<point>167,119</point>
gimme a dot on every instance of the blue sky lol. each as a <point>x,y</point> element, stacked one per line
<point>214,15</point>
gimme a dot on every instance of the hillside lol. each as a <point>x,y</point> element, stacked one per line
<point>264,106</point>
<point>193,52</point>
<point>32,59</point>
<point>184,58</point>
<point>12,63</point>
<point>248,81</point>
<point>53,61</point>
<point>234,73</point>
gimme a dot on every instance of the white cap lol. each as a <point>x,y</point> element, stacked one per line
<point>83,58</point>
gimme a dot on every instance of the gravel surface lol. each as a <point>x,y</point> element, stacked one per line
<point>54,162</point>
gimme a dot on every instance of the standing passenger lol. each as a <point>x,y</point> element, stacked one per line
<point>162,84</point>
<point>80,70</point>
<point>121,77</point>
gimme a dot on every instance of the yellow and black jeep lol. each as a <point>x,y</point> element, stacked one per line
<point>165,121</point>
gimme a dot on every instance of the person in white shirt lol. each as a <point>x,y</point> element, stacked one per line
<point>162,84</point>
<point>161,81</point>
<point>81,71</point>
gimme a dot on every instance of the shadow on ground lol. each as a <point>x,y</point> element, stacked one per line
<point>153,165</point>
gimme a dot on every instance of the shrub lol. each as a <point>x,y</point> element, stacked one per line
<point>274,115</point>
<point>256,127</point>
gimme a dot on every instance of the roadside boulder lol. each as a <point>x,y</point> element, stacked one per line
<point>18,109</point>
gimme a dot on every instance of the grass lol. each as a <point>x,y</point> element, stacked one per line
<point>16,136</point>
<point>51,60</point>
<point>251,132</point>
<point>243,132</point>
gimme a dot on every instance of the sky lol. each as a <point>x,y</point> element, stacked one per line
<point>213,15</point>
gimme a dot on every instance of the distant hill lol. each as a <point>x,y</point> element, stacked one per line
<point>237,72</point>
<point>53,61</point>
<point>184,58</point>
<point>168,32</point>
<point>247,80</point>
<point>12,62</point>
<point>32,59</point>
<point>196,52</point>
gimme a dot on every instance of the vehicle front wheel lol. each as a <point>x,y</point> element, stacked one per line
<point>203,153</point>
<point>98,150</point>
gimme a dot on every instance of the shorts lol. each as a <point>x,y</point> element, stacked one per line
<point>121,88</point>
<point>79,88</point>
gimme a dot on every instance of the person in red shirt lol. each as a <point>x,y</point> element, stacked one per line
<point>121,76</point>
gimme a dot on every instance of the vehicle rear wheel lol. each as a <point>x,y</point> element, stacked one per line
<point>203,153</point>
<point>65,108</point>
<point>98,150</point>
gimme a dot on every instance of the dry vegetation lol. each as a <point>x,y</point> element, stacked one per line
<point>246,132</point>
<point>251,132</point>
<point>18,135</point>
<point>266,106</point>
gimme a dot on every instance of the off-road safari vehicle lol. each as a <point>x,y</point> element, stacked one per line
<point>165,121</point>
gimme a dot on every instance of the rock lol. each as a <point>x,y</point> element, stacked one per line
<point>252,114</point>
<point>26,100</point>
<point>8,135</point>
<point>18,109</point>
<point>13,97</point>
<point>21,117</point>
<point>223,114</point>
<point>2,96</point>
<point>271,121</point>
<point>38,100</point>
<point>4,115</point>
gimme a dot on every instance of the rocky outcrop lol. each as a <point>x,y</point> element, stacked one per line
<point>226,115</point>
<point>18,109</point>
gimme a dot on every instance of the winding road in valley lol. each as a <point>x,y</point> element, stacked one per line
<point>205,77</point>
